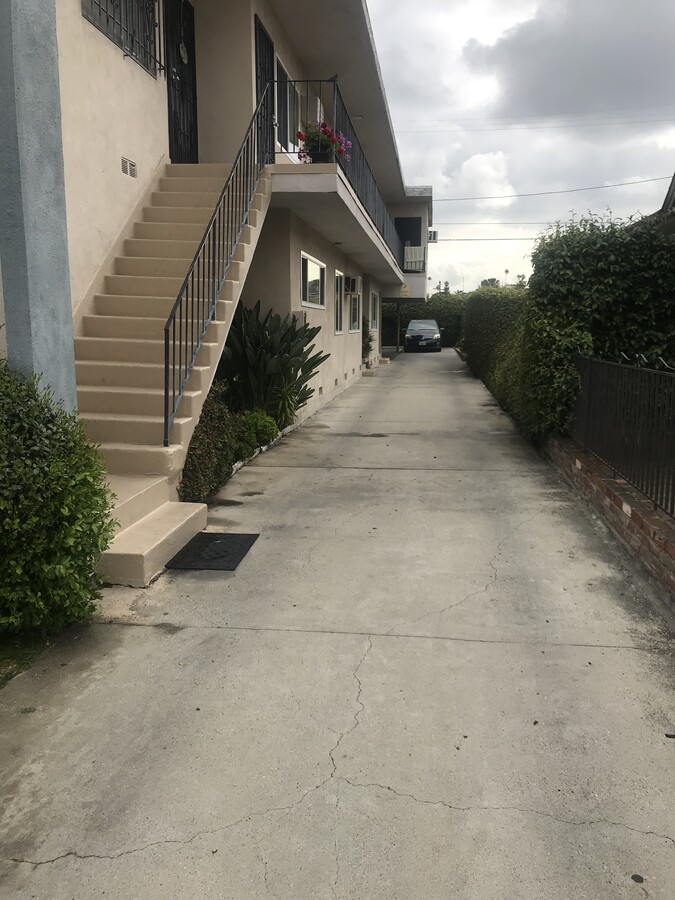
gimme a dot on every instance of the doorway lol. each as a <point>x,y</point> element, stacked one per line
<point>181,80</point>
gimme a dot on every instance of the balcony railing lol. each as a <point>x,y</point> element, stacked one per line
<point>321,101</point>
<point>196,305</point>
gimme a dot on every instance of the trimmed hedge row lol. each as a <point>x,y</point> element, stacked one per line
<point>600,287</point>
<point>447,311</point>
<point>55,511</point>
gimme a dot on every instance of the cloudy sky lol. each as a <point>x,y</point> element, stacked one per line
<point>505,97</point>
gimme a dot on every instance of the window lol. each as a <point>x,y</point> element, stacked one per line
<point>288,110</point>
<point>131,24</point>
<point>355,312</point>
<point>339,300</point>
<point>374,301</point>
<point>313,282</point>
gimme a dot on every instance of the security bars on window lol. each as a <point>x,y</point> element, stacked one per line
<point>131,24</point>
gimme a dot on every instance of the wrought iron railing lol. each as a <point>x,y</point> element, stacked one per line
<point>626,417</point>
<point>321,101</point>
<point>195,306</point>
<point>134,25</point>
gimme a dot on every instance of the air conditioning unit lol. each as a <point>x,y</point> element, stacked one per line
<point>433,237</point>
<point>351,286</point>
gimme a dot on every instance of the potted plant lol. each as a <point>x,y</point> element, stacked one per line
<point>321,144</point>
<point>366,342</point>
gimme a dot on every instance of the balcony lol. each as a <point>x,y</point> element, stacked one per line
<point>415,259</point>
<point>320,101</point>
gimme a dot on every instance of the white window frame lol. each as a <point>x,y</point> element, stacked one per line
<point>353,297</point>
<point>305,257</point>
<point>374,310</point>
<point>293,145</point>
<point>339,302</point>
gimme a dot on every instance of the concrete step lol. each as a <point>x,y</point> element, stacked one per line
<point>142,459</point>
<point>124,327</point>
<point>139,351</point>
<point>166,231</point>
<point>197,215</point>
<point>139,553</point>
<point>143,285</point>
<point>171,249</point>
<point>131,401</point>
<point>104,373</point>
<point>185,185</point>
<point>137,496</point>
<point>199,170</point>
<point>196,199</point>
<point>148,267</point>
<point>120,428</point>
<point>147,307</point>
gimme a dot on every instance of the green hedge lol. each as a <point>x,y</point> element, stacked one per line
<point>600,287</point>
<point>490,318</point>
<point>220,439</point>
<point>211,454</point>
<point>447,310</point>
<point>614,279</point>
<point>54,511</point>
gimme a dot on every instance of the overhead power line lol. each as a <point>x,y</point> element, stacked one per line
<point>493,223</point>
<point>597,187</point>
<point>448,240</point>
<point>550,115</point>
<point>460,130</point>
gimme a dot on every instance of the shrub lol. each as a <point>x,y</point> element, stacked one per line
<point>211,454</point>
<point>525,360</point>
<point>255,429</point>
<point>268,362</point>
<point>614,279</point>
<point>490,318</point>
<point>447,310</point>
<point>54,511</point>
<point>366,339</point>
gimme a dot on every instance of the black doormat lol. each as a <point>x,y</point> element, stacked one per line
<point>214,551</point>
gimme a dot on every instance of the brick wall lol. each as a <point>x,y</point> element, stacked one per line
<point>648,532</point>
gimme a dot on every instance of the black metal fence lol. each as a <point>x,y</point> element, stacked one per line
<point>626,417</point>
<point>196,304</point>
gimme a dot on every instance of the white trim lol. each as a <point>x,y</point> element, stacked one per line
<point>359,313</point>
<point>322,266</point>
<point>339,302</point>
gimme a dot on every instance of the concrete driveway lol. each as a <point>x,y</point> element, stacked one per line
<point>435,675</point>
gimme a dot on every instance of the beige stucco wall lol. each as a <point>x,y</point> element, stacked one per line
<point>226,84</point>
<point>275,279</point>
<point>110,108</point>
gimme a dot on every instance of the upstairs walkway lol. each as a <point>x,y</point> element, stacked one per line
<point>435,675</point>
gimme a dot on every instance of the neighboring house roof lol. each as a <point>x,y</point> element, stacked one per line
<point>343,43</point>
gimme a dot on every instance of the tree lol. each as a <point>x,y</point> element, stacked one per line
<point>521,281</point>
<point>490,282</point>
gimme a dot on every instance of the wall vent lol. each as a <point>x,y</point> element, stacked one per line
<point>128,167</point>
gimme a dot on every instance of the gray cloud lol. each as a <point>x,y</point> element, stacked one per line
<point>451,68</point>
<point>577,55</point>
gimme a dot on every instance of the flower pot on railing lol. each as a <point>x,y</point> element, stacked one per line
<point>319,144</point>
<point>320,156</point>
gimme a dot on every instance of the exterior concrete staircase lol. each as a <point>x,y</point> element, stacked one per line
<point>120,367</point>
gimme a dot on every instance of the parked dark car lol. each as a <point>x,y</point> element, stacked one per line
<point>422,334</point>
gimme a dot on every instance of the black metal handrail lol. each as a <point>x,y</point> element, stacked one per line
<point>625,416</point>
<point>316,101</point>
<point>195,306</point>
